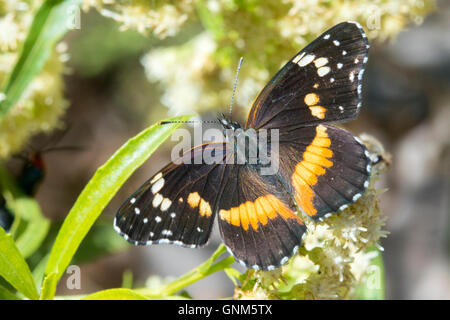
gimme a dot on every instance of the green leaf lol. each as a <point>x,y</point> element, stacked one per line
<point>101,240</point>
<point>99,191</point>
<point>49,286</point>
<point>5,294</point>
<point>13,267</point>
<point>49,24</point>
<point>29,219</point>
<point>127,279</point>
<point>37,228</point>
<point>373,286</point>
<point>233,274</point>
<point>39,270</point>
<point>116,294</point>
<point>213,22</point>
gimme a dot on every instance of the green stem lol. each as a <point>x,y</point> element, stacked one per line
<point>205,269</point>
<point>168,291</point>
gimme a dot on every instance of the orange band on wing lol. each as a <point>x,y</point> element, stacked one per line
<point>261,210</point>
<point>194,200</point>
<point>311,100</point>
<point>315,160</point>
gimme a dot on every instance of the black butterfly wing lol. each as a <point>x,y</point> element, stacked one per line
<point>322,83</point>
<point>178,204</point>
<point>257,219</point>
<point>324,168</point>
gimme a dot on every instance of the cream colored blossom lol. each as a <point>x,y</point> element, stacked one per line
<point>42,103</point>
<point>266,34</point>
<point>162,18</point>
<point>178,71</point>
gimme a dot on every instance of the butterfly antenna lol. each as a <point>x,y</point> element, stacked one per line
<point>231,104</point>
<point>235,86</point>
<point>188,121</point>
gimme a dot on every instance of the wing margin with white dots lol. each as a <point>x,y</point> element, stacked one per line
<point>177,205</point>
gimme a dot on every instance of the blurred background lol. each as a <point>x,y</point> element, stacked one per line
<point>118,78</point>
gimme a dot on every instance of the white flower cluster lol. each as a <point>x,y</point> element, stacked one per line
<point>198,75</point>
<point>42,104</point>
<point>162,18</point>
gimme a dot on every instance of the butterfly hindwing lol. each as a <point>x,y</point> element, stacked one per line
<point>177,205</point>
<point>322,83</point>
<point>324,168</point>
<point>257,219</point>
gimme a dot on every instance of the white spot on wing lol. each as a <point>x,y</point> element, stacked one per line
<point>339,65</point>
<point>306,60</point>
<point>298,57</point>
<point>156,178</point>
<point>165,204</point>
<point>157,200</point>
<point>323,71</point>
<point>157,185</point>
<point>336,43</point>
<point>320,62</point>
<point>360,75</point>
<point>351,76</point>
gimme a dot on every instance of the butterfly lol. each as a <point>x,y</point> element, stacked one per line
<point>322,168</point>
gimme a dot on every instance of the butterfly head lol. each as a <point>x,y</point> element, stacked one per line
<point>228,123</point>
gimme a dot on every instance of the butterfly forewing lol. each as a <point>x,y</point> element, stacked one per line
<point>322,83</point>
<point>177,205</point>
